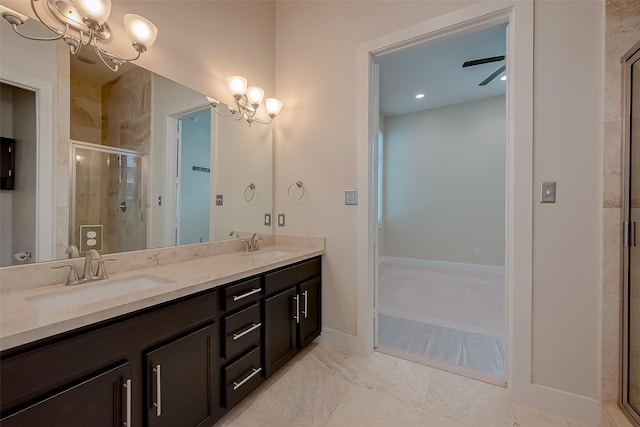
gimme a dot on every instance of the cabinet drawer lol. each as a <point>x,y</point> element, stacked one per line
<point>242,330</point>
<point>241,377</point>
<point>241,294</point>
<point>291,276</point>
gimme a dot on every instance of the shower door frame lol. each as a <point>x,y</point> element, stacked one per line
<point>113,150</point>
<point>627,63</point>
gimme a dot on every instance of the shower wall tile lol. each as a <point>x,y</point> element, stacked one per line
<point>612,165</point>
<point>86,110</point>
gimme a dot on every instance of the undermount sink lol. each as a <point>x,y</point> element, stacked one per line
<point>267,254</point>
<point>88,293</point>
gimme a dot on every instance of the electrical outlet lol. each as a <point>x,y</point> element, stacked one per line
<point>281,220</point>
<point>267,219</point>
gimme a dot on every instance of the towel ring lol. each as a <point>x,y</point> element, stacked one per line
<point>249,192</point>
<point>298,192</point>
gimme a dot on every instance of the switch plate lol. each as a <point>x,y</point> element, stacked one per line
<point>281,220</point>
<point>219,199</point>
<point>351,197</point>
<point>548,192</point>
<point>267,219</point>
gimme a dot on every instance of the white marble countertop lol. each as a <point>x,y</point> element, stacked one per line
<point>22,321</point>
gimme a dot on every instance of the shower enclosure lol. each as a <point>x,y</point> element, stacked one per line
<point>107,198</point>
<point>630,393</point>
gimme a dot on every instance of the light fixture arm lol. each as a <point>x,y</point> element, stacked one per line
<point>247,103</point>
<point>115,59</point>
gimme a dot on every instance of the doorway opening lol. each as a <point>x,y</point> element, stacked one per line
<point>193,177</point>
<point>440,282</point>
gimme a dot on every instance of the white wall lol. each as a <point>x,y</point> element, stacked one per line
<point>444,183</point>
<point>316,142</point>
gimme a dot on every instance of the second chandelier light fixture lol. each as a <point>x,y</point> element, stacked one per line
<point>248,100</point>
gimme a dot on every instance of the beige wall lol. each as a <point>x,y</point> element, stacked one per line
<point>315,142</point>
<point>444,190</point>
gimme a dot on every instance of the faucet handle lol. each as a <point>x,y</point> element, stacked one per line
<point>73,278</point>
<point>102,271</point>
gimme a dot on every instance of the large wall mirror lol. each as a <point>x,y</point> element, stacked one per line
<point>138,161</point>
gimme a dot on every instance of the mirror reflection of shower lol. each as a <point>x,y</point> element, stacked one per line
<point>107,198</point>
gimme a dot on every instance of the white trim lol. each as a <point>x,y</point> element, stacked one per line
<point>339,339</point>
<point>432,263</point>
<point>45,188</point>
<point>519,196</point>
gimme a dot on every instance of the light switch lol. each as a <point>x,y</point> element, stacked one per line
<point>351,197</point>
<point>267,219</point>
<point>219,200</point>
<point>281,220</point>
<point>548,192</point>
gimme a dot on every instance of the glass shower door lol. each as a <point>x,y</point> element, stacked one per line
<point>631,295</point>
<point>107,199</point>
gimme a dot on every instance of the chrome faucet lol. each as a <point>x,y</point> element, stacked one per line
<point>253,244</point>
<point>234,233</point>
<point>72,251</point>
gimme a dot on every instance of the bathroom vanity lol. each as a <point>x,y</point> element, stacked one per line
<point>183,356</point>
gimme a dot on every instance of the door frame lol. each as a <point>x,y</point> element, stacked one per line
<point>46,180</point>
<point>627,61</point>
<point>519,174</point>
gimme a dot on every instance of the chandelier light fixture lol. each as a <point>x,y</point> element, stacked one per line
<point>84,23</point>
<point>248,100</point>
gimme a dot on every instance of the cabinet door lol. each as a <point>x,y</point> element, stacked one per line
<point>182,386</point>
<point>280,330</point>
<point>310,299</point>
<point>101,401</point>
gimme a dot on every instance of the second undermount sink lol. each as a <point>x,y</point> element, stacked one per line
<point>268,254</point>
<point>92,292</point>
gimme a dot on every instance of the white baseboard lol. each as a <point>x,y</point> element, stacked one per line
<point>575,407</point>
<point>446,265</point>
<point>343,341</point>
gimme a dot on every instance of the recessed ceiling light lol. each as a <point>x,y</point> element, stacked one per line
<point>420,96</point>
<point>503,78</point>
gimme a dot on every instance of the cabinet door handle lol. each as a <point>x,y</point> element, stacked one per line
<point>251,328</point>
<point>297,315</point>
<point>127,386</point>
<point>158,402</point>
<point>306,303</point>
<point>248,377</point>
<point>251,292</point>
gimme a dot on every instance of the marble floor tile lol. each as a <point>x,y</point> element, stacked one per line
<point>429,419</point>
<point>305,394</point>
<point>362,407</point>
<point>531,417</point>
<point>332,361</point>
<point>468,401</point>
<point>397,378</point>
<point>254,417</point>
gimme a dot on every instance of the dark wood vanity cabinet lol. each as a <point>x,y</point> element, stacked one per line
<point>292,317</point>
<point>182,380</point>
<point>178,364</point>
<point>104,400</point>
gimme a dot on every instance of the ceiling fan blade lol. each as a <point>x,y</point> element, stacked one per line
<point>493,76</point>
<point>483,61</point>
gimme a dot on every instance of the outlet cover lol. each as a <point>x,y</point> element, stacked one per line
<point>351,197</point>
<point>281,220</point>
<point>219,199</point>
<point>548,192</point>
<point>267,219</point>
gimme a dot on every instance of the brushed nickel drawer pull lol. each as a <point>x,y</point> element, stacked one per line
<point>251,375</point>
<point>158,402</point>
<point>251,328</point>
<point>297,315</point>
<point>251,292</point>
<point>127,385</point>
<point>306,304</point>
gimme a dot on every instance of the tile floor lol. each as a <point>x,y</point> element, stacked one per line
<point>324,386</point>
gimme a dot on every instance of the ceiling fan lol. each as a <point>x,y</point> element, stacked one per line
<point>488,61</point>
